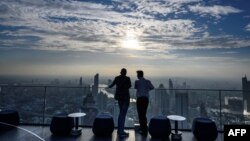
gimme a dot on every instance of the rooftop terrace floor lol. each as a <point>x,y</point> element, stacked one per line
<point>42,133</point>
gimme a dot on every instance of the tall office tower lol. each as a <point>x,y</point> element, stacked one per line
<point>102,102</point>
<point>86,89</point>
<point>95,86</point>
<point>80,90</point>
<point>171,96</point>
<point>246,94</point>
<point>89,107</point>
<point>80,82</point>
<point>203,110</point>
<point>234,104</point>
<point>181,100</point>
<point>162,99</point>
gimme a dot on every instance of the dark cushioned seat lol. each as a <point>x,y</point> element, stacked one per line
<point>9,117</point>
<point>103,125</point>
<point>159,127</point>
<point>61,124</point>
<point>204,129</point>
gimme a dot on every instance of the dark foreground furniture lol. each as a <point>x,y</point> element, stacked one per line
<point>159,127</point>
<point>61,124</point>
<point>103,125</point>
<point>204,129</point>
<point>9,119</point>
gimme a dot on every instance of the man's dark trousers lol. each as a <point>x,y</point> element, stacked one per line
<point>142,105</point>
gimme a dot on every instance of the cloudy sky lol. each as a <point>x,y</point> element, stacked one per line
<point>173,38</point>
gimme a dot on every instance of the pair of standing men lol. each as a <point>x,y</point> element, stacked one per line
<point>143,86</point>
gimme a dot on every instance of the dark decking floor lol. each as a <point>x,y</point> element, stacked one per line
<point>39,133</point>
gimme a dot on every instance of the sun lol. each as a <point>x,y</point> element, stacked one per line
<point>130,41</point>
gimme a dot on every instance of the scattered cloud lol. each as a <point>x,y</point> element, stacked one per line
<point>215,10</point>
<point>229,52</point>
<point>159,26</point>
<point>248,27</point>
<point>246,16</point>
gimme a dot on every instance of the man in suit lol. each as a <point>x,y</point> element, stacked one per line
<point>123,84</point>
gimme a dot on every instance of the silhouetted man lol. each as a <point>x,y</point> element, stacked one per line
<point>142,86</point>
<point>123,84</point>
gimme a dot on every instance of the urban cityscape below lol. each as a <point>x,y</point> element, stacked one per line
<point>38,100</point>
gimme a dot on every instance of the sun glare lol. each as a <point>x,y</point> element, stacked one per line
<point>130,41</point>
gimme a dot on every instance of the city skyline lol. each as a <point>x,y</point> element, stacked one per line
<point>173,38</point>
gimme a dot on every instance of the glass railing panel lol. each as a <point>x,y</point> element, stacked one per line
<point>105,103</point>
<point>232,110</point>
<point>159,102</point>
<point>64,100</point>
<point>38,104</point>
<point>132,116</point>
<point>203,103</point>
<point>28,101</point>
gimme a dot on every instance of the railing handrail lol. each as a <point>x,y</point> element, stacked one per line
<point>63,86</point>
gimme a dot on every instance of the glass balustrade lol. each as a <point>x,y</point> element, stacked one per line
<point>38,104</point>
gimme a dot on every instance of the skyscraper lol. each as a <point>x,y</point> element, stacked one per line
<point>89,107</point>
<point>182,102</point>
<point>95,86</point>
<point>89,103</point>
<point>203,110</point>
<point>246,94</point>
<point>171,96</point>
<point>80,82</point>
<point>102,102</point>
<point>162,99</point>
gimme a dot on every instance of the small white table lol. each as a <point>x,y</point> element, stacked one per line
<point>176,135</point>
<point>76,117</point>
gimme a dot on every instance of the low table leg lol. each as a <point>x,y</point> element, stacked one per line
<point>176,127</point>
<point>76,131</point>
<point>76,122</point>
<point>176,136</point>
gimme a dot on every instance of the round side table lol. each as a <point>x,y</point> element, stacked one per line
<point>176,135</point>
<point>75,131</point>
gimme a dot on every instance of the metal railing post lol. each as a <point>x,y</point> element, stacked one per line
<point>2,105</point>
<point>44,104</point>
<point>220,110</point>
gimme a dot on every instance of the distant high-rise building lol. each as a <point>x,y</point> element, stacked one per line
<point>196,98</point>
<point>95,86</point>
<point>86,89</point>
<point>89,107</point>
<point>203,110</point>
<point>246,94</point>
<point>102,102</point>
<point>234,104</point>
<point>181,102</point>
<point>80,82</point>
<point>162,99</point>
<point>171,96</point>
